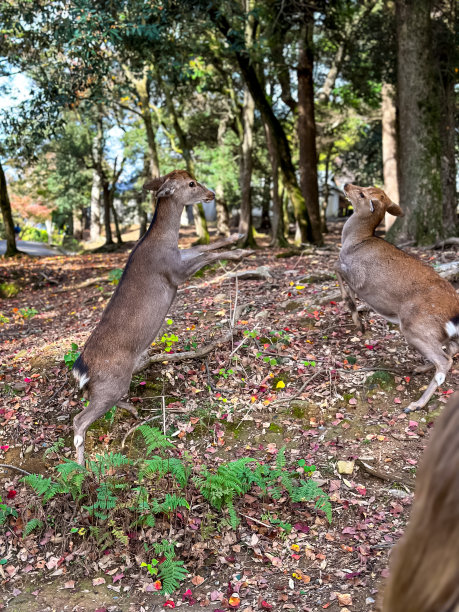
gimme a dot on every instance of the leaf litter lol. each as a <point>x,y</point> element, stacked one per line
<point>242,400</point>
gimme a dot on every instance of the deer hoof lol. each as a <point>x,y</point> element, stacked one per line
<point>412,408</point>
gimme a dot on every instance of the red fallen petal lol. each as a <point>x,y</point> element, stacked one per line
<point>265,604</point>
<point>11,494</point>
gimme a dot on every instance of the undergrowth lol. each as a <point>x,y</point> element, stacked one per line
<point>114,499</point>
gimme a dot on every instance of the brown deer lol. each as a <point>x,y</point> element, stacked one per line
<point>119,344</point>
<point>397,286</point>
<point>424,568</point>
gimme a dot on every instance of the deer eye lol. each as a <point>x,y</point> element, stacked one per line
<point>361,195</point>
<point>192,184</point>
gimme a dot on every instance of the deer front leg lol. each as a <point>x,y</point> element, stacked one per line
<point>348,297</point>
<point>188,254</point>
<point>191,266</point>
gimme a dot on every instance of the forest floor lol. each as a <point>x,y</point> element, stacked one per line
<point>303,378</point>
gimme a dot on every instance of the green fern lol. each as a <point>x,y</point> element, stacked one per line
<point>31,526</point>
<point>154,439</point>
<point>55,447</point>
<point>69,467</point>
<point>106,500</point>
<point>309,490</point>
<point>231,480</point>
<point>172,502</point>
<point>280,458</point>
<point>171,572</point>
<point>103,464</point>
<point>44,487</point>
<point>157,466</point>
<point>118,533</point>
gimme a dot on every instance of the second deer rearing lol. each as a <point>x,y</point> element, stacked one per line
<point>397,286</point>
<point>119,345</point>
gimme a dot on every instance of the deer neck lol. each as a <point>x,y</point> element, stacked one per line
<point>357,230</point>
<point>165,225</point>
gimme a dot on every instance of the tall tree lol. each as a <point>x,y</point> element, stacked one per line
<point>419,121</point>
<point>7,216</point>
<point>307,127</point>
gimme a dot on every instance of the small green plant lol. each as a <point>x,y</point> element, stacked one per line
<point>28,313</point>
<point>5,512</point>
<point>225,373</point>
<point>170,572</point>
<point>309,364</point>
<point>8,290</point>
<point>169,340</point>
<point>3,319</point>
<point>114,276</point>
<point>71,356</point>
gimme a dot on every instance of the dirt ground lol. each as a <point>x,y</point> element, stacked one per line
<point>303,378</point>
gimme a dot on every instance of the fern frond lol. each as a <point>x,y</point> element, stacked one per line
<point>172,502</point>
<point>69,467</point>
<point>171,574</point>
<point>157,466</point>
<point>234,519</point>
<point>44,487</point>
<point>31,526</point>
<point>102,464</point>
<point>154,438</point>
<point>55,447</point>
<point>280,458</point>
<point>310,491</point>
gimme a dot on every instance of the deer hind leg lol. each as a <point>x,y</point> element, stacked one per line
<point>442,362</point>
<point>101,400</point>
<point>348,296</point>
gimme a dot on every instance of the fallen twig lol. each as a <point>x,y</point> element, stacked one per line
<point>200,352</point>
<point>292,397</point>
<point>137,425</point>
<point>86,283</point>
<point>387,477</point>
<point>13,467</point>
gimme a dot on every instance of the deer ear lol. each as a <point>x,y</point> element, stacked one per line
<point>394,209</point>
<point>154,185</point>
<point>167,189</point>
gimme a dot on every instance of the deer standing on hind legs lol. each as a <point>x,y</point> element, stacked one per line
<point>397,286</point>
<point>119,345</point>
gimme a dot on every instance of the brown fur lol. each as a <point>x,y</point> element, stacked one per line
<point>119,344</point>
<point>424,569</point>
<point>396,285</point>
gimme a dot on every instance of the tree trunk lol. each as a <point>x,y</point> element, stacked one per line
<point>279,136</point>
<point>245,171</point>
<point>119,239</point>
<point>307,131</point>
<point>446,53</point>
<point>95,222</point>
<point>389,147</point>
<point>7,217</point>
<point>107,206</point>
<point>265,224</point>
<point>76,224</point>
<point>277,218</point>
<point>220,202</point>
<point>420,175</point>
<point>97,154</point>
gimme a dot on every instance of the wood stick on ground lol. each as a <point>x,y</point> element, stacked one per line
<point>86,283</point>
<point>13,467</point>
<point>382,476</point>
<point>299,392</point>
<point>200,352</point>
